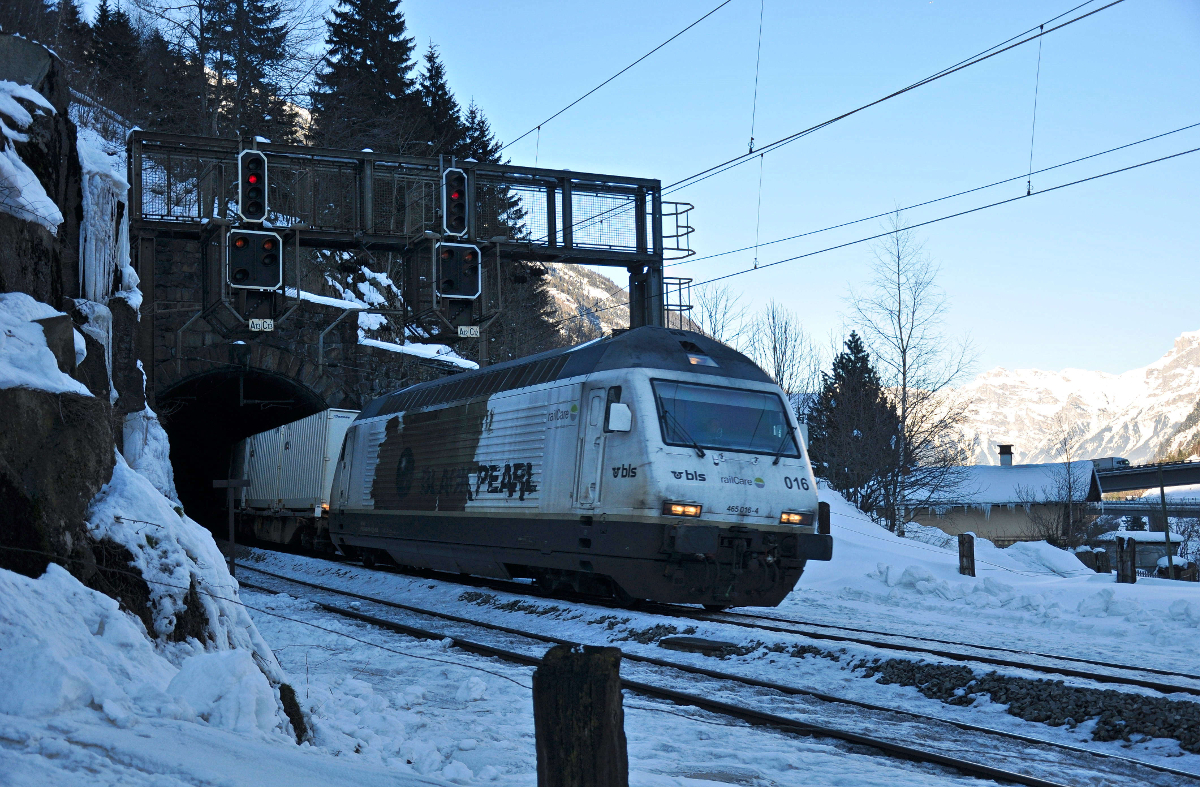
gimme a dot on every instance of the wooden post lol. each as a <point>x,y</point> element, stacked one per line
<point>966,554</point>
<point>1126,561</point>
<point>578,719</point>
<point>229,485</point>
<point>1162,496</point>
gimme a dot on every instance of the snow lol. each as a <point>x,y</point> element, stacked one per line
<point>324,300</point>
<point>1134,414</point>
<point>1140,536</point>
<point>1018,484</point>
<point>438,352</point>
<point>1162,561</point>
<point>25,359</point>
<point>21,193</point>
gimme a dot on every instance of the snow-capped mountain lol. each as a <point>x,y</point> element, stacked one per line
<point>1141,414</point>
<point>595,299</point>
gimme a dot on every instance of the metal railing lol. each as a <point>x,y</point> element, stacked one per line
<point>179,180</point>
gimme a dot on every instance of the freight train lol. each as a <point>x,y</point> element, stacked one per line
<point>652,464</point>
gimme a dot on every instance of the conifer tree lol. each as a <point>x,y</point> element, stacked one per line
<point>115,55</point>
<point>478,141</point>
<point>71,34</point>
<point>365,94</point>
<point>853,430</point>
<point>443,120</point>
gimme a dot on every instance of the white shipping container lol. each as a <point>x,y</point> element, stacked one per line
<point>291,467</point>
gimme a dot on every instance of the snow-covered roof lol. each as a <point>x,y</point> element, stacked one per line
<point>1016,484</point>
<point>1140,536</point>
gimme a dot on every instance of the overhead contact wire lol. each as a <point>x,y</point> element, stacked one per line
<point>614,76</point>
<point>915,226</point>
<point>691,180</point>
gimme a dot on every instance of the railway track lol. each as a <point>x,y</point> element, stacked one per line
<point>1046,663</point>
<point>981,740</point>
<point>1069,666</point>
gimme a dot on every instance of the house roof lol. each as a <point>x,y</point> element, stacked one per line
<point>1015,485</point>
<point>1139,536</point>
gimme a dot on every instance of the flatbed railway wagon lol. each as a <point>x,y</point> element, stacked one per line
<point>291,472</point>
<point>652,464</point>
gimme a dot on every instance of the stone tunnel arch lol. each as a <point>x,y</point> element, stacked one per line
<point>223,394</point>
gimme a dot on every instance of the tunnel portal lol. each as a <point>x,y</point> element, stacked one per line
<point>206,415</point>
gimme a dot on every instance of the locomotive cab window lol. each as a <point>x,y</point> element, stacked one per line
<point>723,419</point>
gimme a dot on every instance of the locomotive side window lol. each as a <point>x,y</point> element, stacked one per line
<point>723,419</point>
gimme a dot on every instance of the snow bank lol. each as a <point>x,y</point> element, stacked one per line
<point>178,560</point>
<point>67,649</point>
<point>25,360</point>
<point>1028,595</point>
<point>227,690</point>
<point>21,193</point>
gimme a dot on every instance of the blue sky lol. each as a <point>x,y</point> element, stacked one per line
<point>1098,276</point>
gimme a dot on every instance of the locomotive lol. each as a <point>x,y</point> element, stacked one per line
<point>652,464</point>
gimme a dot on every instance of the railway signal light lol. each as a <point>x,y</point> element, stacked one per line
<point>458,271</point>
<point>455,205</point>
<point>252,185</point>
<point>255,260</point>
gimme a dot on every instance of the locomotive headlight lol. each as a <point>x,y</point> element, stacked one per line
<point>681,509</point>
<point>795,518</point>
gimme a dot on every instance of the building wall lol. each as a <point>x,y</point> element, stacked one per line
<point>1000,524</point>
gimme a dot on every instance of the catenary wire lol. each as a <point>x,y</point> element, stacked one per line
<point>914,226</point>
<point>962,64</point>
<point>614,76</point>
<point>756,246</point>
<point>717,169</point>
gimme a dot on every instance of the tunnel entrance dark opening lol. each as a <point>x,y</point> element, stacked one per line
<point>206,416</point>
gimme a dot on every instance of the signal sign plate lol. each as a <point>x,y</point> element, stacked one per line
<point>264,324</point>
<point>468,331</point>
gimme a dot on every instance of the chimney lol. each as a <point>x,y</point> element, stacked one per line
<point>1005,455</point>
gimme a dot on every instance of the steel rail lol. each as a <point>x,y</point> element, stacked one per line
<point>1099,677</point>
<point>723,618</point>
<point>1078,659</point>
<point>687,668</point>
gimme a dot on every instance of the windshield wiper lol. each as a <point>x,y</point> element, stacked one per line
<point>684,432</point>
<point>779,450</point>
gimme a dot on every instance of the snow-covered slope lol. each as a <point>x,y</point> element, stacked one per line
<point>584,293</point>
<point>1137,414</point>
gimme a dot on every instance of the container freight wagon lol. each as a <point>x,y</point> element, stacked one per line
<point>291,471</point>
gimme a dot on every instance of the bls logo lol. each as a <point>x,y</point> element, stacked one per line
<point>688,475</point>
<point>625,471</point>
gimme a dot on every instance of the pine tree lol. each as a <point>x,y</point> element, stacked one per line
<point>478,141</point>
<point>71,35</point>
<point>853,429</point>
<point>173,85</point>
<point>365,93</point>
<point>115,55</point>
<point>444,127</point>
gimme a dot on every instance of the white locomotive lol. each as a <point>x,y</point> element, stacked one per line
<point>653,464</point>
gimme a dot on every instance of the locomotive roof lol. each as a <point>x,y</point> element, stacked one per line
<point>648,347</point>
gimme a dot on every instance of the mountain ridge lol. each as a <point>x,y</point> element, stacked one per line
<point>1143,414</point>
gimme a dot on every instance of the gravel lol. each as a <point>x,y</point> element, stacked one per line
<point>1119,716</point>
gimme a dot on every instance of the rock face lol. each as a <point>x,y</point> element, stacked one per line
<point>56,452</point>
<point>1140,414</point>
<point>33,259</point>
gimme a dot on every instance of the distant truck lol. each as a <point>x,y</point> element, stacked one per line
<point>1110,463</point>
<point>291,472</point>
